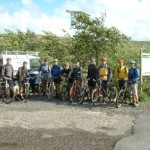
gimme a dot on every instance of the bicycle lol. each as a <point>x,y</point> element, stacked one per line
<point>65,88</point>
<point>27,88</point>
<point>101,93</point>
<point>5,90</point>
<point>85,93</point>
<point>37,85</point>
<point>123,96</point>
<point>75,92</point>
<point>51,88</point>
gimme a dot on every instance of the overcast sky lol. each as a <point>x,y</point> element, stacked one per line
<point>131,17</point>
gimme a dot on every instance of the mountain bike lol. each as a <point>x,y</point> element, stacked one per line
<point>123,96</point>
<point>5,90</point>
<point>51,88</point>
<point>85,93</point>
<point>65,88</point>
<point>75,90</point>
<point>27,88</point>
<point>103,94</point>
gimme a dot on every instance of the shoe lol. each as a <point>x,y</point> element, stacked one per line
<point>25,101</point>
<point>21,97</point>
<point>131,104</point>
<point>43,93</point>
<point>104,102</point>
<point>17,98</point>
<point>136,104</point>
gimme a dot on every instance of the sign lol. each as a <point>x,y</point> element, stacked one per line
<point>145,64</point>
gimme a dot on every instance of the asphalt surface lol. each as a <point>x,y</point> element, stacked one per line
<point>140,139</point>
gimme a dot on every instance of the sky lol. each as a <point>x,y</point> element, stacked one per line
<point>131,17</point>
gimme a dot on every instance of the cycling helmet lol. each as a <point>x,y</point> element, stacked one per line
<point>92,59</point>
<point>132,62</point>
<point>103,59</point>
<point>120,61</point>
<point>77,63</point>
<point>66,64</point>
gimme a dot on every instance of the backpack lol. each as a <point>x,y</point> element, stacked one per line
<point>41,67</point>
<point>125,70</point>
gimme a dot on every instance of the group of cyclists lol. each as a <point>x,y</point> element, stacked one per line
<point>122,74</point>
<point>103,72</point>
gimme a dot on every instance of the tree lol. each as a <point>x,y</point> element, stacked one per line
<point>92,38</point>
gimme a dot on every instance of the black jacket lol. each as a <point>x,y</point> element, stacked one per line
<point>92,72</point>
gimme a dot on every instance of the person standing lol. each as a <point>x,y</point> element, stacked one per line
<point>44,73</point>
<point>105,75</point>
<point>92,75</point>
<point>8,72</point>
<point>22,75</point>
<point>133,78</point>
<point>121,74</point>
<point>55,71</point>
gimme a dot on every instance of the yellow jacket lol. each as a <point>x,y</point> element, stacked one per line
<point>121,73</point>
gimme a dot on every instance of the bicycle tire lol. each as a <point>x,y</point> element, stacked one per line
<point>72,94</point>
<point>26,91</point>
<point>113,94</point>
<point>82,95</point>
<point>97,97</point>
<point>64,92</point>
<point>50,92</point>
<point>7,98</point>
<point>120,98</point>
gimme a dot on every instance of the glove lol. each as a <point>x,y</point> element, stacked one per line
<point>94,80</point>
<point>132,82</point>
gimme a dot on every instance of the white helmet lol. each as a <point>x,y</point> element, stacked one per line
<point>132,62</point>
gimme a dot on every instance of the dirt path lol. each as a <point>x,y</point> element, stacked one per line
<point>55,125</point>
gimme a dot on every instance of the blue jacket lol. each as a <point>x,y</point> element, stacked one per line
<point>55,71</point>
<point>133,75</point>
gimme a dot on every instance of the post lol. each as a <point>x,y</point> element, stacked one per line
<point>141,79</point>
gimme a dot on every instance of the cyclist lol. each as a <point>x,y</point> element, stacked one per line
<point>105,75</point>
<point>76,72</point>
<point>65,71</point>
<point>121,74</point>
<point>55,71</point>
<point>92,75</point>
<point>44,73</point>
<point>8,72</point>
<point>22,75</point>
<point>133,78</point>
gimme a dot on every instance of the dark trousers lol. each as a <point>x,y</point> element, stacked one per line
<point>122,84</point>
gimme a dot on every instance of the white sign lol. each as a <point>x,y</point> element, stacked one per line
<point>145,64</point>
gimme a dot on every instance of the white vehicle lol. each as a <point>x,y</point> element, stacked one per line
<point>18,57</point>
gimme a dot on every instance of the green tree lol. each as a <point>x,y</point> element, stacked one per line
<point>92,38</point>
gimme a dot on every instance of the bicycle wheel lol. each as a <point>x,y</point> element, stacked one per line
<point>112,94</point>
<point>120,98</point>
<point>27,93</point>
<point>6,98</point>
<point>64,92</point>
<point>83,94</point>
<point>50,92</point>
<point>72,95</point>
<point>97,97</point>
<point>39,89</point>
